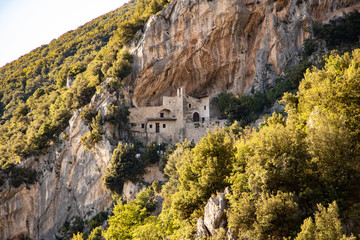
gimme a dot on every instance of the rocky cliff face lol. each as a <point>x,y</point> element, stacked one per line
<point>69,185</point>
<point>208,46</point>
<point>205,46</point>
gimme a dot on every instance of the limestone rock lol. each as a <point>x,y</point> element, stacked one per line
<point>69,81</point>
<point>131,190</point>
<point>70,185</point>
<point>201,229</point>
<point>214,216</point>
<point>192,43</point>
<point>159,200</point>
<point>152,173</point>
<point>210,46</point>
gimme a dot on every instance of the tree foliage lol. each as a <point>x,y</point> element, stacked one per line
<point>127,217</point>
<point>339,32</point>
<point>327,225</point>
<point>282,174</point>
<point>95,135</point>
<point>124,165</point>
<point>197,173</point>
<point>35,105</point>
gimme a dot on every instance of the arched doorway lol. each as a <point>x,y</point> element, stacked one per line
<point>196,117</point>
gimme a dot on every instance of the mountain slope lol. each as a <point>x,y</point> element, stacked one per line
<point>205,46</point>
<point>41,66</point>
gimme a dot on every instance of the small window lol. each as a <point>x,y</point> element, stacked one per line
<point>203,119</point>
<point>164,125</point>
<point>204,107</point>
<point>161,115</point>
<point>142,125</point>
<point>189,105</point>
<point>150,126</point>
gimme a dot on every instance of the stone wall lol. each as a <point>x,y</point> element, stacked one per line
<point>197,130</point>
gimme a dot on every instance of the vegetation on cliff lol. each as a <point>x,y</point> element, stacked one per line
<point>40,91</point>
<point>342,34</point>
<point>294,177</point>
<point>128,162</point>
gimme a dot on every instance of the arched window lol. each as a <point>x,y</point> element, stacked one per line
<point>196,117</point>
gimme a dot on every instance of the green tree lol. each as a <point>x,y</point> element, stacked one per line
<point>328,109</point>
<point>96,234</point>
<point>95,135</point>
<point>199,172</point>
<point>127,217</point>
<point>151,154</point>
<point>87,114</point>
<point>327,225</point>
<point>117,114</point>
<point>124,165</point>
<point>97,220</point>
<point>77,236</point>
<point>276,216</point>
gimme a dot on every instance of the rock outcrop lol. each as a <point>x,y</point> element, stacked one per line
<point>70,182</point>
<point>214,216</point>
<point>152,173</point>
<point>209,46</point>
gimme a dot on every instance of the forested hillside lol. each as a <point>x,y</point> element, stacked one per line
<point>36,104</point>
<point>295,176</point>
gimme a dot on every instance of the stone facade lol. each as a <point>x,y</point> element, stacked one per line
<point>179,117</point>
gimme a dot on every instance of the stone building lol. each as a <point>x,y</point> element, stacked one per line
<point>179,117</point>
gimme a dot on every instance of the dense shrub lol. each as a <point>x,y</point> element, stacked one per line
<point>327,225</point>
<point>340,32</point>
<point>153,152</point>
<point>77,69</point>
<point>87,114</point>
<point>97,220</point>
<point>117,113</point>
<point>124,165</point>
<point>95,135</point>
<point>281,175</point>
<point>96,234</point>
<point>73,228</point>
<point>127,217</point>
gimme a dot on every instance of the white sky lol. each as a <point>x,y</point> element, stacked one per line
<point>28,24</point>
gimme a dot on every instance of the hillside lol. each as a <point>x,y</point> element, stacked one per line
<point>36,98</point>
<point>68,157</point>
